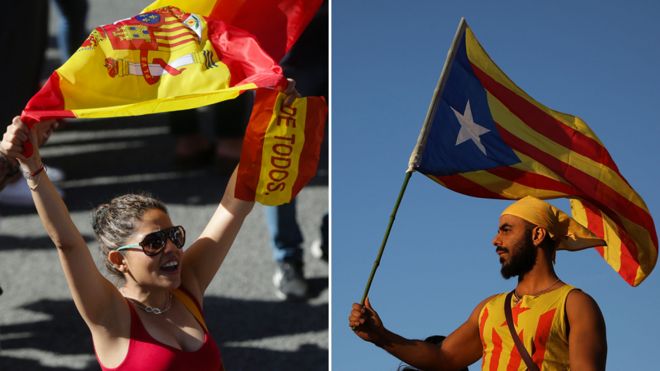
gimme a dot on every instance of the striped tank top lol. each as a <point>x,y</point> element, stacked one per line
<point>540,322</point>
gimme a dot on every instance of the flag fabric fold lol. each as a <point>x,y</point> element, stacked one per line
<point>276,24</point>
<point>485,137</point>
<point>281,147</point>
<point>158,61</point>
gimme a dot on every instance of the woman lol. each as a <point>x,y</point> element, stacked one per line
<point>153,321</point>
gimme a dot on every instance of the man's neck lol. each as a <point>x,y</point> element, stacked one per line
<point>539,279</point>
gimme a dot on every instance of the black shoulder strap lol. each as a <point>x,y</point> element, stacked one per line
<point>531,366</point>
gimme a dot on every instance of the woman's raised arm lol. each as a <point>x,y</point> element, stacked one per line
<point>203,258</point>
<point>94,296</point>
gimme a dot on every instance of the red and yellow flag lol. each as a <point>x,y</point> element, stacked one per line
<point>161,60</point>
<point>281,147</point>
<point>172,58</point>
<point>486,137</point>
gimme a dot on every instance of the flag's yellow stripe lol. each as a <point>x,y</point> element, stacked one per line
<point>518,128</point>
<point>164,104</point>
<point>612,252</point>
<point>280,156</point>
<point>640,276</point>
<point>478,56</point>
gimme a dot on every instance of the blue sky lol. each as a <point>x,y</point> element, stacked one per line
<point>594,59</point>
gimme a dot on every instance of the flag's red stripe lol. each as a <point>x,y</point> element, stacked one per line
<point>594,223</point>
<point>48,103</point>
<point>532,180</point>
<point>591,187</point>
<point>463,185</point>
<point>629,257</point>
<point>249,169</point>
<point>249,63</point>
<point>545,124</point>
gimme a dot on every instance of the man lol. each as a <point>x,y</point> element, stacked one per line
<point>560,327</point>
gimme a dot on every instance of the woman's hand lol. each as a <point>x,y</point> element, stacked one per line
<point>290,91</point>
<point>13,142</point>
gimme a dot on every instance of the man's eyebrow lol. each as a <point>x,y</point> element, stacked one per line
<point>505,226</point>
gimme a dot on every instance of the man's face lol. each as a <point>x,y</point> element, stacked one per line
<point>513,243</point>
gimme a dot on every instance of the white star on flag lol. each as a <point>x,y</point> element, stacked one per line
<point>470,130</point>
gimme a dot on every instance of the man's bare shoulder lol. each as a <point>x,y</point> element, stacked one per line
<point>580,300</point>
<point>583,312</point>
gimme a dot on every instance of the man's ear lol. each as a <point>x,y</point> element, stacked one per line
<point>538,235</point>
<point>117,260</point>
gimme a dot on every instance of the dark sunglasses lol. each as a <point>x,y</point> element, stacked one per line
<point>153,243</point>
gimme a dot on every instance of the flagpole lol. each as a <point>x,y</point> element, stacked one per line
<point>387,234</point>
<point>415,157</point>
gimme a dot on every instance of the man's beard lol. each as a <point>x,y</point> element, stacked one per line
<point>522,261</point>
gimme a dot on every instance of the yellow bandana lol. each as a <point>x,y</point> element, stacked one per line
<point>561,227</point>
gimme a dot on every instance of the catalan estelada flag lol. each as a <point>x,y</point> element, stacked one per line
<point>281,147</point>
<point>276,24</point>
<point>161,60</point>
<point>485,137</point>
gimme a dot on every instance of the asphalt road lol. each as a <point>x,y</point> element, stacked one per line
<point>40,328</point>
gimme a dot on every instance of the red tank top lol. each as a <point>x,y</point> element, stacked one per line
<point>147,353</point>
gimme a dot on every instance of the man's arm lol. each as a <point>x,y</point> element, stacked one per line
<point>460,349</point>
<point>587,344</point>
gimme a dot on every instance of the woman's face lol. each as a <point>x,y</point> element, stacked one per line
<point>162,270</point>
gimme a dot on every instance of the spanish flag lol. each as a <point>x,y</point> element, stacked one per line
<point>486,137</point>
<point>169,58</point>
<point>161,60</point>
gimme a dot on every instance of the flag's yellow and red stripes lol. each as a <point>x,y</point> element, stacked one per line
<point>559,157</point>
<point>281,148</point>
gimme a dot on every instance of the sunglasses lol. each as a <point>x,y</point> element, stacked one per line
<point>153,243</point>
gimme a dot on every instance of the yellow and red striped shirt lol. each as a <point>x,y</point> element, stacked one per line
<point>540,322</point>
